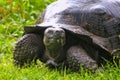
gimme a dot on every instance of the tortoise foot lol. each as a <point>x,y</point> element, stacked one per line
<point>116,53</point>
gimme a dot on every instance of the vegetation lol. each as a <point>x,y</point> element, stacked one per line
<point>14,15</point>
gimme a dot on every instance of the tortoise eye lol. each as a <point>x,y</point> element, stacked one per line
<point>49,34</point>
<point>58,32</point>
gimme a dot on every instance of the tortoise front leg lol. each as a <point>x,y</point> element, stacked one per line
<point>30,47</point>
<point>77,57</point>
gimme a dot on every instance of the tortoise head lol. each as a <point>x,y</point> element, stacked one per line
<point>54,40</point>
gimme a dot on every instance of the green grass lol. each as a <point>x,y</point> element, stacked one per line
<point>14,15</point>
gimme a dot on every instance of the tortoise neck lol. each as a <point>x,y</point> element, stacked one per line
<point>54,54</point>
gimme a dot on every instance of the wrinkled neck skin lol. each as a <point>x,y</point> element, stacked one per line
<point>54,56</point>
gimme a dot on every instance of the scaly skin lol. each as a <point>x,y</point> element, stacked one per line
<point>77,57</point>
<point>28,48</point>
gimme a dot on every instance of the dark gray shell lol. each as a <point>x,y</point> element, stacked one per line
<point>97,20</point>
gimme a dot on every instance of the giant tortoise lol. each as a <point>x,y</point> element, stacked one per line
<point>73,33</point>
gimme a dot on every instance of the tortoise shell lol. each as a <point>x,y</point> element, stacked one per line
<point>97,20</point>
